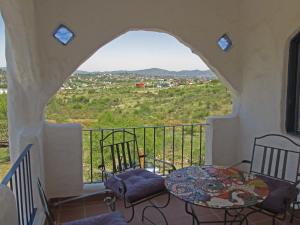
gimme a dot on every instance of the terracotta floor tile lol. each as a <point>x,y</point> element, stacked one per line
<point>93,210</point>
<point>175,212</point>
<point>71,214</point>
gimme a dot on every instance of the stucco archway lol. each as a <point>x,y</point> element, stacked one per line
<point>194,50</point>
<point>38,65</point>
<point>179,40</point>
<point>210,64</point>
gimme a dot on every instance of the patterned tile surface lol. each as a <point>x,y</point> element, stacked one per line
<point>216,187</point>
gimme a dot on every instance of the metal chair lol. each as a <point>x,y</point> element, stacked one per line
<point>276,160</point>
<point>126,175</point>
<point>113,218</point>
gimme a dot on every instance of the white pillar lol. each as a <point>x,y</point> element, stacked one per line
<point>8,212</point>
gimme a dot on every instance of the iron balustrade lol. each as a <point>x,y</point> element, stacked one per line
<point>19,180</point>
<point>183,145</point>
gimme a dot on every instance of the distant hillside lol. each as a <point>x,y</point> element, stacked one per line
<point>206,74</point>
<point>82,72</point>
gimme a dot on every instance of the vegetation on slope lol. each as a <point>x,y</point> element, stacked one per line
<point>125,105</point>
<point>115,102</point>
<point>122,105</point>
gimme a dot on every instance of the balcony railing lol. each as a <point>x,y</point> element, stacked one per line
<point>19,180</point>
<point>181,145</point>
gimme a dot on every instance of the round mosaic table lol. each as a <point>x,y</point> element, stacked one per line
<point>216,187</point>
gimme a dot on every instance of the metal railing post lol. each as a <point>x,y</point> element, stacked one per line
<point>19,180</point>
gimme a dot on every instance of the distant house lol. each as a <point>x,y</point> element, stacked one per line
<point>164,84</point>
<point>3,91</point>
<point>140,85</point>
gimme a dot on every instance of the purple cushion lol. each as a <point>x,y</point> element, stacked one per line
<point>282,193</point>
<point>140,184</point>
<point>286,223</point>
<point>103,219</point>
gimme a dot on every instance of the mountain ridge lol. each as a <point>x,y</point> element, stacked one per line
<point>156,72</point>
<point>206,74</point>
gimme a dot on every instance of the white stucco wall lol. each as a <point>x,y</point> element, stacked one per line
<point>8,212</point>
<point>24,77</point>
<point>38,64</point>
<point>265,47</point>
<point>63,160</point>
<point>255,69</point>
<point>222,140</point>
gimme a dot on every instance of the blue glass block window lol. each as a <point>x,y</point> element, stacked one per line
<point>225,42</point>
<point>63,34</point>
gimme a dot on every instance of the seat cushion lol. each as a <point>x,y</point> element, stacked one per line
<point>103,219</point>
<point>281,194</point>
<point>140,184</point>
<point>286,223</point>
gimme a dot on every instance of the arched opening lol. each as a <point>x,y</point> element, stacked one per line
<point>4,152</point>
<point>148,83</point>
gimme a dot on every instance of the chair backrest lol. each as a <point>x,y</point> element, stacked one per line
<point>119,151</point>
<point>276,156</point>
<point>45,204</point>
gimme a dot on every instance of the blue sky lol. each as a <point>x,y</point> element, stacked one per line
<point>143,49</point>
<point>135,50</point>
<point>2,44</point>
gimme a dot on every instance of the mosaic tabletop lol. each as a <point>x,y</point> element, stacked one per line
<point>216,187</point>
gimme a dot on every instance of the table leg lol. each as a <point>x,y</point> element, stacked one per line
<point>192,213</point>
<point>225,216</point>
<point>239,217</point>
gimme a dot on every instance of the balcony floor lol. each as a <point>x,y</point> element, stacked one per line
<point>175,212</point>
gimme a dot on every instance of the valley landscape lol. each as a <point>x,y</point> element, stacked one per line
<point>120,99</point>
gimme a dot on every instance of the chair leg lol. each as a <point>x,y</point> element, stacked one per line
<point>132,214</point>
<point>158,208</point>
<point>110,203</point>
<point>247,223</point>
<point>192,213</point>
<point>245,216</point>
<point>194,218</point>
<point>238,216</point>
<point>273,220</point>
<point>292,213</point>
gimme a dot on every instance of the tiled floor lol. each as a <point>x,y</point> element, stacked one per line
<point>175,212</point>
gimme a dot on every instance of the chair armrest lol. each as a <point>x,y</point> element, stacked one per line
<point>111,200</point>
<point>110,175</point>
<point>167,163</point>
<point>163,161</point>
<point>106,173</point>
<point>122,186</point>
<point>298,182</point>
<point>240,163</point>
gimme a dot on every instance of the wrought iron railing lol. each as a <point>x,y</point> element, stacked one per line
<point>181,145</point>
<point>3,134</point>
<point>19,180</point>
